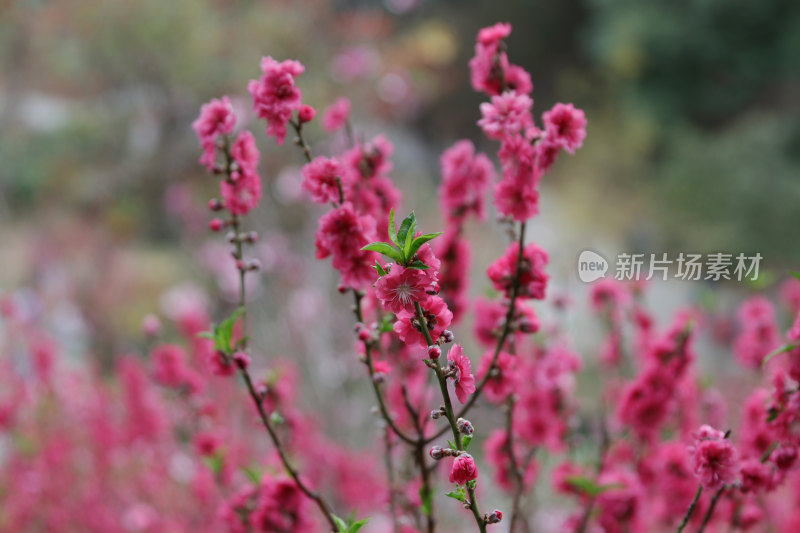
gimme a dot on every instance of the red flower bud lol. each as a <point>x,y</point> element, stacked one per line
<point>216,224</point>
<point>306,113</point>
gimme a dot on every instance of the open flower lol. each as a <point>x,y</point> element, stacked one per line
<point>464,380</point>
<point>714,459</point>
<point>401,287</point>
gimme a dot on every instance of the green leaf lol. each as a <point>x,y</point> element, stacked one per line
<point>392,230</point>
<point>341,524</point>
<point>356,526</point>
<point>385,249</point>
<point>206,335</point>
<point>451,445</point>
<point>459,494</point>
<point>418,265</point>
<point>795,274</point>
<point>407,255</point>
<point>419,241</point>
<point>224,332</point>
<point>241,342</point>
<point>408,225</point>
<point>783,349</point>
<point>465,440</point>
<point>214,463</point>
<point>426,498</point>
<point>276,418</point>
<point>252,474</point>
<point>589,487</point>
<point>471,483</point>
<point>379,269</point>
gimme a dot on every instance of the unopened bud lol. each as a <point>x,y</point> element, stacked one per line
<point>214,204</point>
<point>447,336</point>
<point>306,113</point>
<point>436,453</point>
<point>524,326</point>
<point>253,265</point>
<point>433,289</point>
<point>251,237</point>
<point>215,224</point>
<point>465,427</point>
<point>341,288</point>
<point>241,359</point>
<point>434,352</point>
<point>437,413</point>
<point>364,335</point>
<point>494,517</point>
<point>230,237</point>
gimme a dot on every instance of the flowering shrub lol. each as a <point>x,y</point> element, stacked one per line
<point>172,446</point>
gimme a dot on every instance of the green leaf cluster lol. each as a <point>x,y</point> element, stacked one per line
<point>222,334</point>
<point>403,246</point>
<point>351,525</point>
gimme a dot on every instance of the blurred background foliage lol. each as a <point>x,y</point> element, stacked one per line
<point>693,141</point>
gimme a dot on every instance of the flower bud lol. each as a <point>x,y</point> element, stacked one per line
<point>436,453</point>
<point>434,352</point>
<point>364,335</point>
<point>241,359</point>
<point>306,113</point>
<point>437,413</point>
<point>214,204</point>
<point>494,517</point>
<point>230,237</point>
<point>465,427</point>
<point>251,237</point>
<point>433,289</point>
<point>341,288</point>
<point>253,265</point>
<point>215,224</point>
<point>447,336</point>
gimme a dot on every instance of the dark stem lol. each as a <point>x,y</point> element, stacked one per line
<point>448,407</point>
<point>690,510</point>
<point>501,340</point>
<point>324,507</point>
<point>710,510</point>
<point>375,387</point>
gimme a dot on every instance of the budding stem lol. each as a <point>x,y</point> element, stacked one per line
<point>448,407</point>
<point>323,505</point>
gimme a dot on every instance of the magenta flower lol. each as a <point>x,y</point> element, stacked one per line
<point>463,469</point>
<point>465,178</point>
<point>275,95</point>
<point>320,179</point>
<point>463,380</point>
<point>341,234</point>
<point>714,458</point>
<point>401,287</point>
<point>532,279</point>
<point>437,315</point>
<point>335,115</point>
<point>507,114</point>
<point>216,118</point>
<point>566,126</point>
